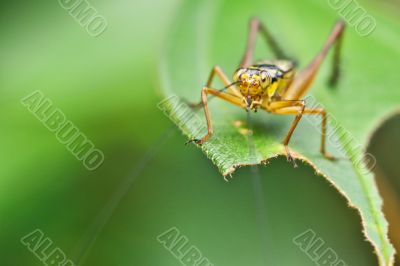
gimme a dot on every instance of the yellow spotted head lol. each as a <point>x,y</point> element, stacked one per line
<point>255,82</point>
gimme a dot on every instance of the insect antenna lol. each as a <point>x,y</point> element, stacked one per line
<point>197,106</point>
<point>230,85</point>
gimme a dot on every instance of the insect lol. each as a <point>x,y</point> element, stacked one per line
<point>273,86</point>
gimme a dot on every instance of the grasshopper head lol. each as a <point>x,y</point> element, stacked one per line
<point>253,83</point>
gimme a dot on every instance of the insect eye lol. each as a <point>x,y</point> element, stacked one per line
<point>239,73</point>
<point>264,76</point>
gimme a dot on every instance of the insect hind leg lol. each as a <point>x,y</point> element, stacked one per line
<point>304,79</point>
<point>256,26</point>
<point>336,64</point>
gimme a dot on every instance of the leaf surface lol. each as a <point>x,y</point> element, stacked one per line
<point>207,33</point>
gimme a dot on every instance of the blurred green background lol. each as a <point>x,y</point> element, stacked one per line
<point>108,87</point>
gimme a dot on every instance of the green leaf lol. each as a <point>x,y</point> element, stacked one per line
<point>207,33</point>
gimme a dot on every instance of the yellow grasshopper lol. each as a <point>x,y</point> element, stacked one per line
<point>273,86</point>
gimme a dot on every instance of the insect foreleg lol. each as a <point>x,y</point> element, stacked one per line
<point>222,95</point>
<point>217,71</point>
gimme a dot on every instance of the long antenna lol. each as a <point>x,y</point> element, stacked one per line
<point>200,104</point>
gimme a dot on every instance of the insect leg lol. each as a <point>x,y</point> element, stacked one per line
<point>220,73</point>
<point>298,110</point>
<point>322,113</point>
<point>303,80</point>
<point>335,74</point>
<point>222,95</point>
<point>271,106</point>
<point>255,27</point>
